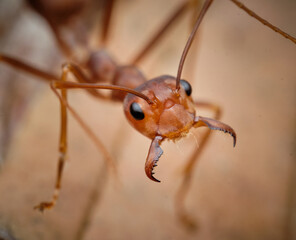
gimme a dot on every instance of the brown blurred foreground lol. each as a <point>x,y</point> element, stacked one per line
<point>244,193</point>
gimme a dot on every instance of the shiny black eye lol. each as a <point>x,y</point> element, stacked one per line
<point>187,87</point>
<point>136,111</point>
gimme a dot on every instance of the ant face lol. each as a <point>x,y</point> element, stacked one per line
<point>170,116</point>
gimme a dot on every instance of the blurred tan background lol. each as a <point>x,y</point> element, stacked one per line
<point>243,193</point>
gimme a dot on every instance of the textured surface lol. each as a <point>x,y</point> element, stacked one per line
<point>242,193</point>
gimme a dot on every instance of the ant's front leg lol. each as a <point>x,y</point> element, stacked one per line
<point>63,147</point>
<point>20,65</point>
<point>62,85</point>
<point>63,137</point>
<point>212,124</point>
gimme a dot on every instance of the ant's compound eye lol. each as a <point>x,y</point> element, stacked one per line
<point>187,87</point>
<point>136,111</point>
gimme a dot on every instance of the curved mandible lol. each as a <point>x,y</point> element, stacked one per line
<point>154,154</point>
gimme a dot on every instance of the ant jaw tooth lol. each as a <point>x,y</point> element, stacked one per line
<point>154,179</point>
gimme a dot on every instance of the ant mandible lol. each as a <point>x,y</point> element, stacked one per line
<point>161,108</point>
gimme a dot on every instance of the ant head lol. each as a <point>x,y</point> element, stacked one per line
<point>172,113</point>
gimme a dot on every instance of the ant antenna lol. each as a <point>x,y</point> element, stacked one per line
<point>205,7</point>
<point>263,21</point>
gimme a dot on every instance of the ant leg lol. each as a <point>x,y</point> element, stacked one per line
<point>188,170</point>
<point>13,62</point>
<point>263,21</point>
<point>85,83</point>
<point>161,31</point>
<point>76,71</point>
<point>65,48</point>
<point>63,138</point>
<point>108,6</point>
<point>81,78</point>
<point>63,146</point>
<point>63,142</point>
<point>38,7</point>
<point>48,77</point>
<point>66,85</point>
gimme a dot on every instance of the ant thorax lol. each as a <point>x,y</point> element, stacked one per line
<point>103,69</point>
<point>102,66</point>
<point>170,116</point>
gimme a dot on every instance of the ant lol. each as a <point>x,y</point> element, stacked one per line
<point>161,108</point>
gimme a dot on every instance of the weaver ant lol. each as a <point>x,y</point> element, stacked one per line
<point>155,149</point>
